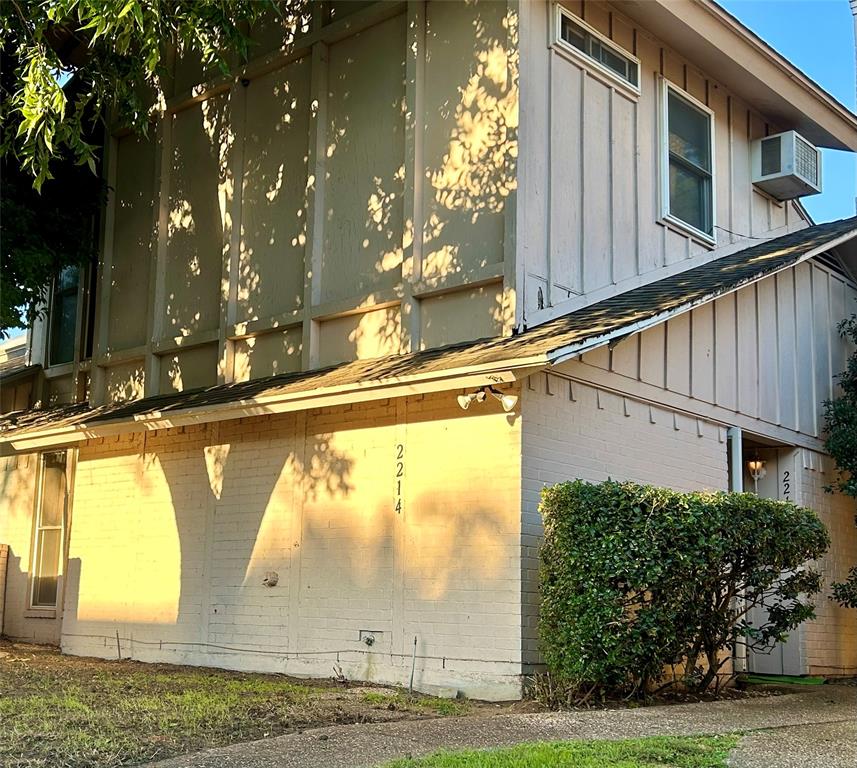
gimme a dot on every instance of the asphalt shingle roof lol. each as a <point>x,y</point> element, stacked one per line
<point>585,327</point>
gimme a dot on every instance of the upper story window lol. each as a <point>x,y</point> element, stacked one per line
<point>574,35</point>
<point>63,317</point>
<point>687,168</point>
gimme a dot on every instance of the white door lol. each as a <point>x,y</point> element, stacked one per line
<point>783,466</point>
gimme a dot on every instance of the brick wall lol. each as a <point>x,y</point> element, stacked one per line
<point>17,486</point>
<point>175,531</point>
<point>4,559</point>
<point>830,642</point>
<point>575,431</point>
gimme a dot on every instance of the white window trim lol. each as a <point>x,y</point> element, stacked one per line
<point>663,137</point>
<point>590,63</point>
<point>39,610</point>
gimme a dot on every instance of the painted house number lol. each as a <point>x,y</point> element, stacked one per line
<point>400,473</point>
<point>787,485</point>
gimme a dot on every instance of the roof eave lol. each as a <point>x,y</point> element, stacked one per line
<point>501,372</point>
<point>571,351</point>
<point>716,42</point>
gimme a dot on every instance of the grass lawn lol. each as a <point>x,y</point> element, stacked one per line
<point>657,752</point>
<point>68,712</point>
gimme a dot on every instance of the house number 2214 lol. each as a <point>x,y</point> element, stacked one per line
<point>400,473</point>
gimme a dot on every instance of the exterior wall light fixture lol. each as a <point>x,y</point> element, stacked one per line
<point>465,401</point>
<point>507,401</point>
<point>756,468</point>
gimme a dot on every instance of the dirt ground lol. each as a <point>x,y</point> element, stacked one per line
<point>60,710</point>
<point>72,712</point>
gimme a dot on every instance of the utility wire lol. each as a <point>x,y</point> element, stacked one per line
<point>285,654</point>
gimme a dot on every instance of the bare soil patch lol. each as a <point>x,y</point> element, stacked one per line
<point>77,712</point>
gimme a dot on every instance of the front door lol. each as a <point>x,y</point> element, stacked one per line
<point>782,468</point>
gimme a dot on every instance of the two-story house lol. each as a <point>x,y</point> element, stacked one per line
<point>358,302</point>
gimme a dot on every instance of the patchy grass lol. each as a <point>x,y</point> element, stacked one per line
<point>68,712</point>
<point>400,700</point>
<point>657,752</point>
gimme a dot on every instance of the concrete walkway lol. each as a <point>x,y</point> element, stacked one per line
<point>813,727</point>
<point>832,745</point>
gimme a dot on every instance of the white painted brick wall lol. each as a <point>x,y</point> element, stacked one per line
<point>4,559</point>
<point>574,431</point>
<point>174,532</point>
<point>17,486</point>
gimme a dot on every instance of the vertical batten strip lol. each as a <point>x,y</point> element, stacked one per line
<point>731,184</point>
<point>638,266</point>
<point>516,272</point>
<point>796,341</point>
<point>611,181</point>
<point>315,204</point>
<point>510,206</point>
<point>98,382</point>
<point>232,251</point>
<point>549,192</point>
<point>151,382</point>
<point>581,277</point>
<point>813,411</point>
<point>412,230</point>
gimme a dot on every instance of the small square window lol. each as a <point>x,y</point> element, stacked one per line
<point>688,165</point>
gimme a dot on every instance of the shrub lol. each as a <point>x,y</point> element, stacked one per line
<point>840,424</point>
<point>636,578</point>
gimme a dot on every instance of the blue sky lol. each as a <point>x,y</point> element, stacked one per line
<point>818,37</point>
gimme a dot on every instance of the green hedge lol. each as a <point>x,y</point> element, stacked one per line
<point>637,578</point>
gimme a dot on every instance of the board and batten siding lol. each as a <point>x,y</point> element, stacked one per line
<point>769,351</point>
<point>589,211</point>
<point>348,194</point>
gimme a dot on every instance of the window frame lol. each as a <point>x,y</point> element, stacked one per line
<point>32,605</point>
<point>664,170</point>
<point>52,308</point>
<point>587,60</point>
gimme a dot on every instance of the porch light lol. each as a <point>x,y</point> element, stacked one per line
<point>756,468</point>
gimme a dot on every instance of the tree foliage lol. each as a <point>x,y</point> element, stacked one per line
<point>118,51</point>
<point>840,419</point>
<point>67,66</point>
<point>636,579</point>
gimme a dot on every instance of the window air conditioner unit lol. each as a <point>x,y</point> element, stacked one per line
<point>786,166</point>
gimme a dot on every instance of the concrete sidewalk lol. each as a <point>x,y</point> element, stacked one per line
<point>827,712</point>
<point>831,745</point>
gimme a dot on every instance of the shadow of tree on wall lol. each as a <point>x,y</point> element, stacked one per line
<point>198,225</point>
<point>220,506</point>
<point>468,133</point>
<point>18,475</point>
<point>239,495</point>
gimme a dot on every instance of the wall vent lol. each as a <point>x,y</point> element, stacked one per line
<point>786,166</point>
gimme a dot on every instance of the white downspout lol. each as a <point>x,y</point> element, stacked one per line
<point>736,457</point>
<point>736,484</point>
